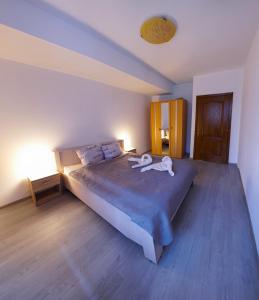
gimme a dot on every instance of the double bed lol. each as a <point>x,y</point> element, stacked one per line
<point>140,205</point>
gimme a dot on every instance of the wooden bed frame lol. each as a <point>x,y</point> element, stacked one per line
<point>117,218</point>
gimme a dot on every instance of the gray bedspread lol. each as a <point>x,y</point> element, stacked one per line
<point>150,199</point>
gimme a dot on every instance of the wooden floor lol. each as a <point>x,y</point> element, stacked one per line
<point>63,250</point>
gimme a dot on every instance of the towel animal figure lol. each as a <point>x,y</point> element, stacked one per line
<point>145,160</point>
<point>165,165</point>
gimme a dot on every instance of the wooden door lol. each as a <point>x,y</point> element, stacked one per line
<point>212,128</point>
<point>177,135</point>
<point>155,125</point>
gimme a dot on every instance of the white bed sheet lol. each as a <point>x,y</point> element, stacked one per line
<point>68,169</point>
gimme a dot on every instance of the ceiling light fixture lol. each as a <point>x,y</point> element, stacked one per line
<point>157,30</point>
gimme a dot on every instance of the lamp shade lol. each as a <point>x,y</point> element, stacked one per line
<point>157,30</point>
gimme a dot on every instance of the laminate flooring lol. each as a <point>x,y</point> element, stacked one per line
<point>63,250</point>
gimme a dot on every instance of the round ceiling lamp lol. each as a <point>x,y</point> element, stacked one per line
<point>157,30</point>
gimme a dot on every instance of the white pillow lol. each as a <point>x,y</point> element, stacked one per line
<point>90,154</point>
<point>112,150</point>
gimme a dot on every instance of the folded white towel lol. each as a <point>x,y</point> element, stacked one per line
<point>165,165</point>
<point>145,159</point>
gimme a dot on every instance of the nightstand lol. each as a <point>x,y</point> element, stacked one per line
<point>132,150</point>
<point>45,188</point>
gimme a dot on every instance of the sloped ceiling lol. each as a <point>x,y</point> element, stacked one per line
<point>34,35</point>
<point>40,53</point>
<point>211,35</point>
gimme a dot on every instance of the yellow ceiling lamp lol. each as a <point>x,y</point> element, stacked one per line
<point>157,30</point>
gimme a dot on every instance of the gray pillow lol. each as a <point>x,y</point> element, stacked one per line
<point>111,150</point>
<point>90,154</point>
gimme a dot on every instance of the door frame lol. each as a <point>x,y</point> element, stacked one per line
<point>199,97</point>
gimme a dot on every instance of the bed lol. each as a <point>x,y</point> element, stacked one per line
<point>140,205</point>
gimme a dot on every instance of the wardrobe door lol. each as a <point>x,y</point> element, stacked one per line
<point>155,118</point>
<point>172,128</point>
<point>177,128</point>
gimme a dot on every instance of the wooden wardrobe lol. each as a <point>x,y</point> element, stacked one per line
<point>168,127</point>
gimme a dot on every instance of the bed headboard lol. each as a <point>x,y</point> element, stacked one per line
<point>68,156</point>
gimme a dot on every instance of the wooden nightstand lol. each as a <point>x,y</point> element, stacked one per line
<point>132,150</point>
<point>45,188</point>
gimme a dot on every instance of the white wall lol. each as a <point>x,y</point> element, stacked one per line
<point>248,159</point>
<point>185,90</point>
<point>216,83</point>
<point>49,108</point>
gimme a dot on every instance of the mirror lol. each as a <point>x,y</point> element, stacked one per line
<point>165,128</point>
